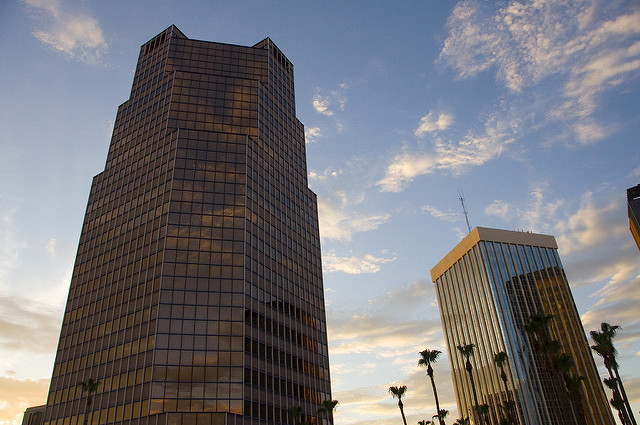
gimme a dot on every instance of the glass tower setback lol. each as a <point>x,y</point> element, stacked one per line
<point>197,296</point>
<point>488,287</point>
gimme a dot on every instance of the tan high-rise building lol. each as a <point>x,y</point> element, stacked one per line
<point>197,295</point>
<point>488,287</point>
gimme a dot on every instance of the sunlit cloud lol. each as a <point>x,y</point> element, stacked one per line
<point>77,36</point>
<point>455,156</point>
<point>433,122</point>
<point>18,394</point>
<point>326,102</point>
<point>311,134</point>
<point>353,265</point>
<point>593,224</point>
<point>321,104</point>
<point>338,224</point>
<point>324,175</point>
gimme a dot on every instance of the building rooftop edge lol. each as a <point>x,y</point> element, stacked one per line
<point>491,235</point>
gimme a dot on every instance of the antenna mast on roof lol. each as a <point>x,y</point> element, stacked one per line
<point>464,210</point>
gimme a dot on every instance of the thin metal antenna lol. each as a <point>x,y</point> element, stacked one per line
<point>464,209</point>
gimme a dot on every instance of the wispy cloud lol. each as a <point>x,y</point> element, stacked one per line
<point>367,263</point>
<point>455,156</point>
<point>449,216</point>
<point>585,48</point>
<point>434,122</point>
<point>536,215</point>
<point>28,326</point>
<point>338,224</point>
<point>76,35</point>
<point>378,328</point>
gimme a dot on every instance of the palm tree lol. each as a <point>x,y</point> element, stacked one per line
<point>605,348</point>
<point>327,408</point>
<point>501,359</point>
<point>463,421</point>
<point>557,363</point>
<point>483,412</point>
<point>616,400</point>
<point>443,414</point>
<point>399,392</point>
<point>295,412</point>
<point>467,351</point>
<point>89,386</point>
<point>427,357</point>
<point>538,328</point>
<point>424,422</point>
<point>564,364</point>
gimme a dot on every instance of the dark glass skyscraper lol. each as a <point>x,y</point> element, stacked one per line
<point>197,295</point>
<point>488,288</point>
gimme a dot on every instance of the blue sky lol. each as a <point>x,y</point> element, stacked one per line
<point>529,108</point>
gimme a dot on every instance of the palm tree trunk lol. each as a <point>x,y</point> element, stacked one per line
<point>475,398</point>
<point>625,400</point>
<point>400,405</point>
<point>616,392</point>
<point>435,395</point>
<point>87,406</point>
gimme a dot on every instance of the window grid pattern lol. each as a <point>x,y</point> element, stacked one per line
<point>197,293</point>
<point>486,295</point>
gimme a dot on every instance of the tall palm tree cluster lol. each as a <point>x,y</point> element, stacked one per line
<point>603,346</point>
<point>557,363</point>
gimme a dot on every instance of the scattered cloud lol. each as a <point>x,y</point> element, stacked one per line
<point>449,216</point>
<point>536,215</point>
<point>337,224</point>
<point>311,134</point>
<point>455,156</point>
<point>28,326</point>
<point>324,175</point>
<point>580,44</point>
<point>18,394</point>
<point>353,265</point>
<point>432,122</point>
<point>321,104</point>
<point>76,35</point>
<point>325,102</point>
